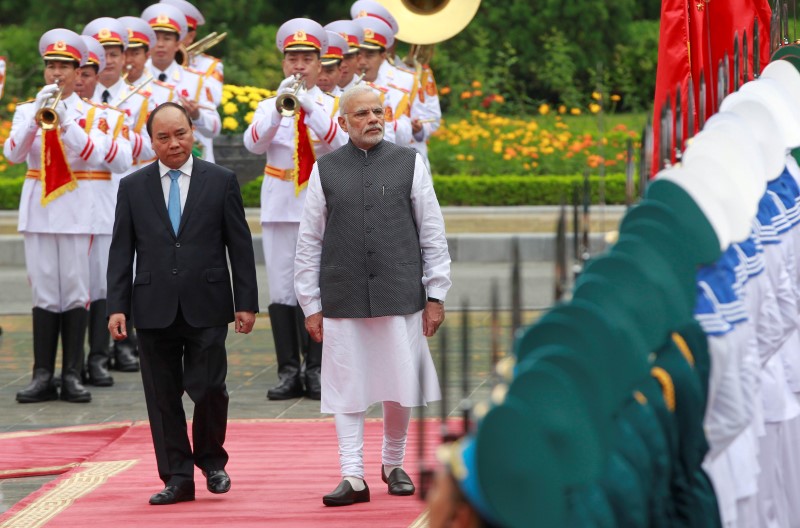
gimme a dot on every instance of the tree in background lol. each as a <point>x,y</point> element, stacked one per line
<point>524,51</point>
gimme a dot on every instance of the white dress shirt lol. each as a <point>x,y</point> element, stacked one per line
<point>183,180</point>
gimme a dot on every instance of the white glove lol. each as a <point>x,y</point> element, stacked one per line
<point>286,84</point>
<point>44,94</point>
<point>61,111</point>
<point>307,102</point>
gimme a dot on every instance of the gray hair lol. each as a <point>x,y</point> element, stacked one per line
<point>353,91</point>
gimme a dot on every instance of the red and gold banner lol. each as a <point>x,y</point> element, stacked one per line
<point>56,177</point>
<point>304,156</point>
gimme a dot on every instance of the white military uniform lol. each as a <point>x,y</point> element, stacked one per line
<point>281,204</point>
<point>58,235</point>
<point>136,107</point>
<point>190,84</point>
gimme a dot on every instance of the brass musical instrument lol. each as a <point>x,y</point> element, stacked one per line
<point>128,68</point>
<point>46,116</point>
<point>360,77</point>
<point>287,103</point>
<point>187,53</point>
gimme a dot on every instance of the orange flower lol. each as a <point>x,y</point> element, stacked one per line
<point>477,93</point>
<point>466,95</point>
<point>562,109</point>
<point>476,84</point>
<point>445,90</point>
<point>615,98</point>
<point>544,109</point>
<point>575,111</point>
<point>499,98</point>
<point>594,108</point>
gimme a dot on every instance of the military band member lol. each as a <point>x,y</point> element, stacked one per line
<point>55,214</point>
<point>348,67</point>
<point>174,82</point>
<point>331,72</point>
<point>206,65</point>
<point>292,143</point>
<point>112,38</point>
<point>419,84</point>
<point>141,38</point>
<point>378,37</point>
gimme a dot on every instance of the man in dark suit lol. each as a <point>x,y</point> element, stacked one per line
<point>178,216</point>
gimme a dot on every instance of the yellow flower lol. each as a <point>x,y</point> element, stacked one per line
<point>476,84</point>
<point>248,117</point>
<point>562,109</point>
<point>460,157</point>
<point>596,96</point>
<point>253,104</point>
<point>594,108</point>
<point>10,107</point>
<point>243,98</point>
<point>615,98</point>
<point>230,109</point>
<point>544,109</point>
<point>470,157</point>
<point>230,123</point>
<point>575,111</point>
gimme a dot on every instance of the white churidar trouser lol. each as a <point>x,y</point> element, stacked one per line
<point>350,432</point>
<point>279,241</point>
<point>98,267</point>
<point>58,270</point>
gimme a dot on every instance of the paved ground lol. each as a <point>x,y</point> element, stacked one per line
<point>251,359</point>
<point>252,366</point>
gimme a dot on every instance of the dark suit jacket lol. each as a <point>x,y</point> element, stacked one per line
<point>190,269</point>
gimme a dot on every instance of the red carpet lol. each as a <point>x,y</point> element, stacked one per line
<point>279,470</point>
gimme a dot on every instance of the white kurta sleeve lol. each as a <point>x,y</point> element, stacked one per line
<point>432,240</point>
<point>309,246</point>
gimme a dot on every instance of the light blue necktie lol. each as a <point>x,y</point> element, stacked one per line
<point>174,204</point>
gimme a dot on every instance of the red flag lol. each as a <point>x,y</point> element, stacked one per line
<point>56,175</point>
<point>304,156</point>
<point>674,63</point>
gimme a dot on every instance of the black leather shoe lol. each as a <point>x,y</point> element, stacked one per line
<point>217,481</point>
<point>345,495</point>
<point>172,495</point>
<point>399,482</point>
<point>313,385</point>
<point>288,388</point>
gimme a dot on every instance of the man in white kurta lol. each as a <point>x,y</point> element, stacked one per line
<point>385,288</point>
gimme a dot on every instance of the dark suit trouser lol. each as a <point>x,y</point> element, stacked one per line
<point>177,358</point>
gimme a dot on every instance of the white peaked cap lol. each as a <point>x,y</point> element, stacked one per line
<point>755,111</point>
<point>712,208</point>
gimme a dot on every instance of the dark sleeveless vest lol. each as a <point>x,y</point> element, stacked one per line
<point>371,260</point>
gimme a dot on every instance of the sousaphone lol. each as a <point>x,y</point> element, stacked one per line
<point>426,22</point>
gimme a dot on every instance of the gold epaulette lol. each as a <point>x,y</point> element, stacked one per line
<point>194,71</point>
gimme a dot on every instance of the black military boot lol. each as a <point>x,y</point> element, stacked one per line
<point>125,353</point>
<point>45,343</point>
<point>97,364</point>
<point>73,330</point>
<point>284,333</point>
<point>312,357</point>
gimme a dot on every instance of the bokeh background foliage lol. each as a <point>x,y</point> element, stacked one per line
<point>528,51</point>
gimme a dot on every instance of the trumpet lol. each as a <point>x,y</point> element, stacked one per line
<point>128,68</point>
<point>360,77</point>
<point>46,116</point>
<point>287,103</point>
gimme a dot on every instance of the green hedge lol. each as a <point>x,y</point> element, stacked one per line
<point>499,190</point>
<point>451,190</point>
